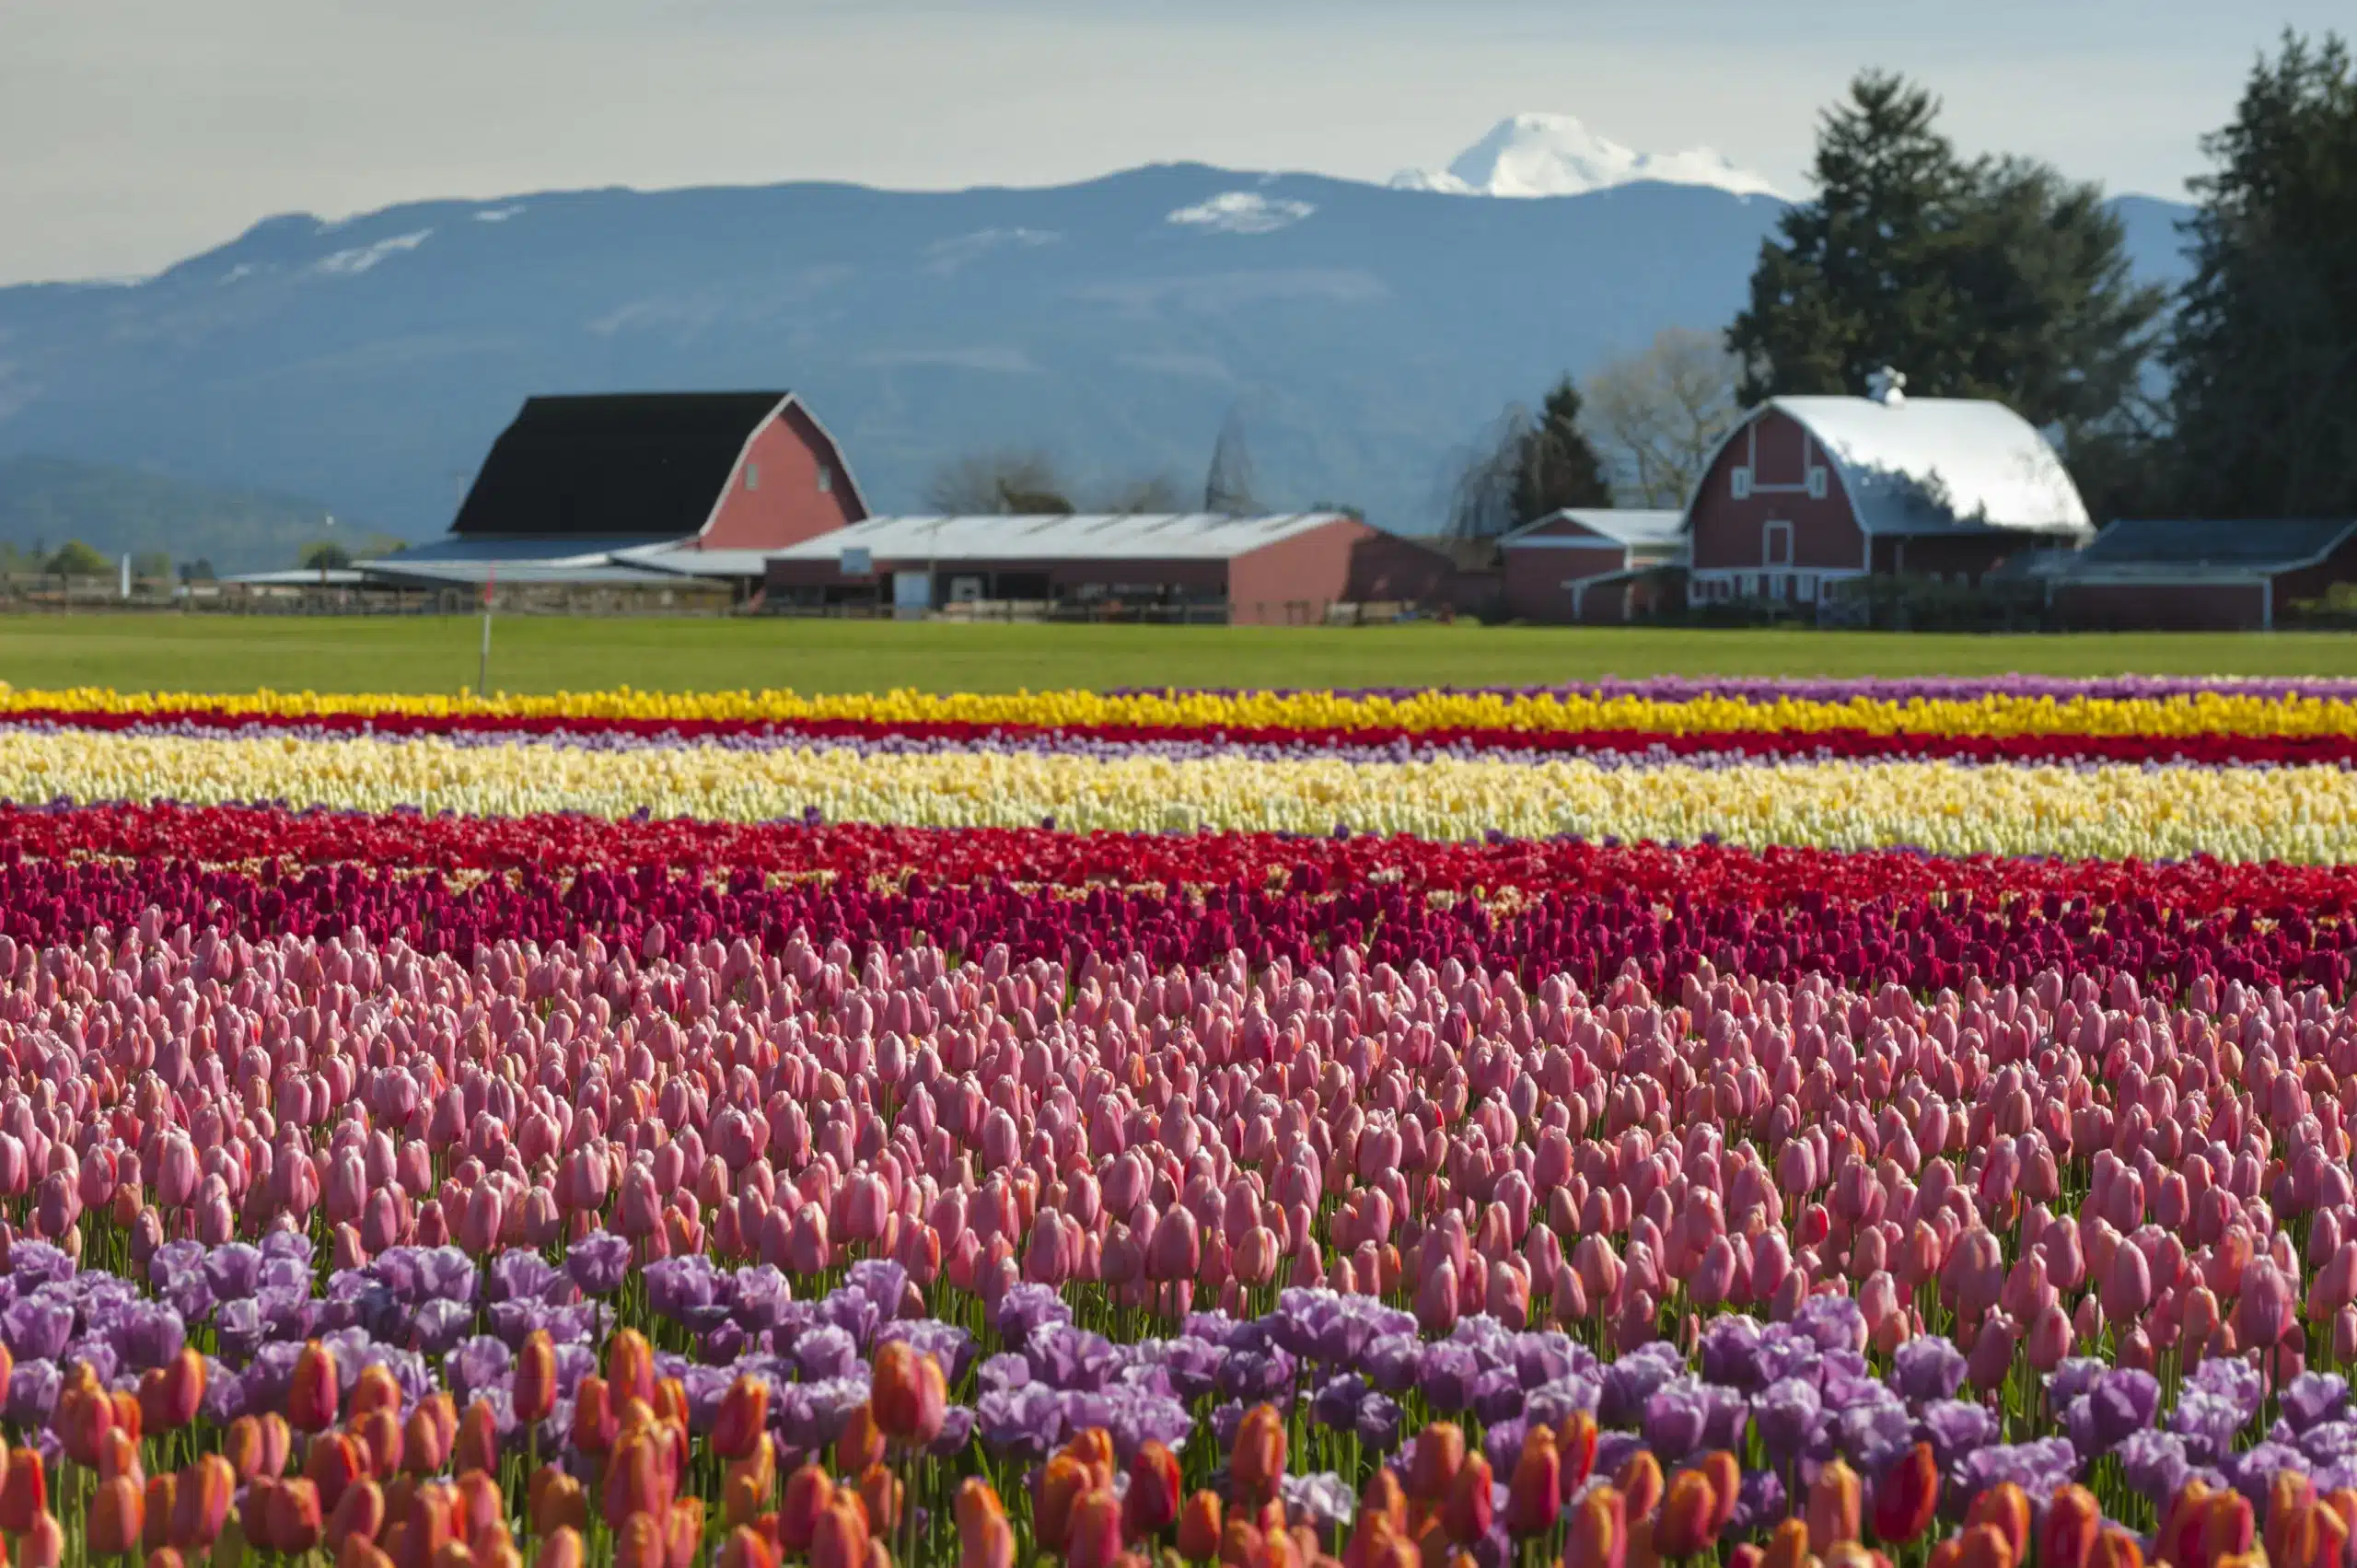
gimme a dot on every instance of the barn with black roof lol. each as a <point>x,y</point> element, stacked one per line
<point>638,489</point>
<point>2178,573</point>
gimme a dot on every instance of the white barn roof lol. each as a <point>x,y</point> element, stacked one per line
<point>1153,536</point>
<point>1929,465</point>
<point>1630,526</point>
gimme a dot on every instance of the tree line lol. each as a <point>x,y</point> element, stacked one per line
<point>1997,277</point>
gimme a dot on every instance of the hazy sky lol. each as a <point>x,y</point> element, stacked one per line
<point>134,132</point>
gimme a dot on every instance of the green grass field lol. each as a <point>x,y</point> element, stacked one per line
<point>244,654</point>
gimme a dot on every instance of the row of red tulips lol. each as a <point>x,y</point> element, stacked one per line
<point>856,854</point>
<point>1587,938</point>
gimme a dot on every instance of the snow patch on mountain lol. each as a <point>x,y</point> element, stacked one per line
<point>1242,211</point>
<point>1554,154</point>
<point>360,258</point>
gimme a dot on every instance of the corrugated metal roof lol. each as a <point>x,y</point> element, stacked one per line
<point>681,562</point>
<point>469,574</point>
<point>1629,525</point>
<point>2265,542</point>
<point>1193,535</point>
<point>453,550</point>
<point>302,577</point>
<point>1934,465</point>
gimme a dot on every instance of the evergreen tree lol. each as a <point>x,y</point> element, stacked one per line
<point>1558,468</point>
<point>2264,356</point>
<point>1996,278</point>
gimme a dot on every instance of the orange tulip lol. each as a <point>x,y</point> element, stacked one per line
<point>1908,1497</point>
<point>1640,1482</point>
<point>81,1419</point>
<point>478,1445</point>
<point>23,1492</point>
<point>165,1557</point>
<point>374,1390</point>
<point>745,1548</point>
<point>1984,1546</point>
<point>881,1494</point>
<point>2074,1520</point>
<point>1787,1546</point>
<point>630,1366</point>
<point>842,1539</point>
<point>2115,1548</point>
<point>1151,1504</point>
<point>985,1540</point>
<point>1256,1461</point>
<point>481,1508</point>
<point>1535,1494</point>
<point>359,1510</point>
<point>744,1413</point>
<point>1597,1533</point>
<point>860,1443</point>
<point>534,1391</point>
<point>44,1546</point>
<point>311,1398</point>
<point>2004,1507</point>
<point>560,1549</point>
<point>118,1517</point>
<point>331,1462</point>
<point>1063,1480</point>
<point>290,1517</point>
<point>154,1531</point>
<point>683,1532</point>
<point>1833,1507</point>
<point>1575,1442</point>
<point>909,1399</point>
<point>594,1421</point>
<point>2179,1540</point>
<point>1439,1452</point>
<point>1200,1528</point>
<point>1095,1537</point>
<point>1687,1526</point>
<point>199,1502</point>
<point>1466,1514</point>
<point>809,1493</point>
<point>639,1543</point>
<point>378,1434</point>
<point>635,1480</point>
<point>555,1501</point>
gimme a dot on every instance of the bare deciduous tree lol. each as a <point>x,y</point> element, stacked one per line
<point>1227,488</point>
<point>1658,414</point>
<point>1146,494</point>
<point>1486,498</point>
<point>1022,483</point>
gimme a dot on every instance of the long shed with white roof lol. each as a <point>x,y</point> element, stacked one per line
<point>1287,567</point>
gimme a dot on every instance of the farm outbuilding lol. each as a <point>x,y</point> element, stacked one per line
<point>640,490</point>
<point>1273,570</point>
<point>2198,576</point>
<point>1810,491</point>
<point>1592,565</point>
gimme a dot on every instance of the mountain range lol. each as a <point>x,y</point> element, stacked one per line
<point>1363,335</point>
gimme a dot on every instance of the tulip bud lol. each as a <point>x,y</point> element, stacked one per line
<point>42,1546</point>
<point>1439,1453</point>
<point>1687,1525</point>
<point>1467,1513</point>
<point>909,1395</point>
<point>1256,1461</point>
<point>311,1397</point>
<point>1833,1507</point>
<point>1597,1535</point>
<point>1200,1528</point>
<point>534,1393</point>
<point>1151,1504</point>
<point>808,1492</point>
<point>1908,1497</point>
<point>118,1517</point>
<point>24,1490</point>
<point>1535,1495</point>
<point>2074,1520</point>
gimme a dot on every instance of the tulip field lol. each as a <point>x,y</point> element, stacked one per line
<point>1774,1124</point>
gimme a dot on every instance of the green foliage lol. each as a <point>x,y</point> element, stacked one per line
<point>1558,468</point>
<point>1989,278</point>
<point>2265,354</point>
<point>151,565</point>
<point>326,555</point>
<point>74,559</point>
<point>120,511</point>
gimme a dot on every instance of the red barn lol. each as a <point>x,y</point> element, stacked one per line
<point>642,488</point>
<point>1810,491</point>
<point>1596,565</point>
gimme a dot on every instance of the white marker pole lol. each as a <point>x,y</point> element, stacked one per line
<point>482,668</point>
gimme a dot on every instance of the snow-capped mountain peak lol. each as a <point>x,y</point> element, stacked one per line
<point>1554,154</point>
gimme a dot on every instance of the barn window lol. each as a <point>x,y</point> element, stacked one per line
<point>1776,544</point>
<point>826,479</point>
<point>1816,484</point>
<point>752,476</point>
<point>1739,482</point>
